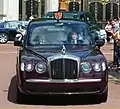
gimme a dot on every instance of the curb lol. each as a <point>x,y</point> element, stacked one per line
<point>113,78</point>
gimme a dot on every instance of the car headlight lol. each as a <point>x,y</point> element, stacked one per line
<point>29,67</point>
<point>40,68</point>
<point>22,66</point>
<point>86,67</point>
<point>103,66</point>
<point>97,67</point>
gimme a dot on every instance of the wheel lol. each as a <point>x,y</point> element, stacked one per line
<point>3,38</point>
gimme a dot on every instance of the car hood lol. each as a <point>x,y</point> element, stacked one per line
<point>81,51</point>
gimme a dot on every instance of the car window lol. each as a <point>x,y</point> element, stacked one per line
<point>87,17</point>
<point>65,15</point>
<point>70,15</point>
<point>24,23</point>
<point>83,16</point>
<point>49,15</point>
<point>12,25</point>
<point>52,34</point>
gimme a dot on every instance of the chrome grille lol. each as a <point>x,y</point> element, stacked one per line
<point>64,69</point>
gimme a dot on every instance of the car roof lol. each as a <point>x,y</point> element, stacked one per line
<point>80,14</point>
<point>64,20</point>
<point>64,12</point>
<point>73,12</point>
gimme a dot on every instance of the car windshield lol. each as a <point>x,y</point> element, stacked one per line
<point>49,15</point>
<point>70,15</point>
<point>65,15</point>
<point>49,34</point>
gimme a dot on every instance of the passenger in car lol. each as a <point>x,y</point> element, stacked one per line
<point>74,38</point>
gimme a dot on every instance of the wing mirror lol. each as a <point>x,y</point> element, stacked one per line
<point>100,42</point>
<point>18,41</point>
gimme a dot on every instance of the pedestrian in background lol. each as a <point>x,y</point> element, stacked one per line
<point>115,36</point>
<point>109,30</point>
<point>115,28</point>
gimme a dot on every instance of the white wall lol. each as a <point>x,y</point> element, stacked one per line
<point>1,8</point>
<point>51,5</point>
<point>11,9</point>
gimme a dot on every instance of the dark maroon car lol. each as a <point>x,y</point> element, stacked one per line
<point>60,57</point>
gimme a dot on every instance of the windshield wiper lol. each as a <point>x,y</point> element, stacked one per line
<point>35,53</point>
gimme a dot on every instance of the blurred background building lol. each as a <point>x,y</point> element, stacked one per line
<point>9,9</point>
<point>23,9</point>
<point>102,9</point>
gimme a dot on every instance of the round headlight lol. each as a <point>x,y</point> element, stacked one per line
<point>29,67</point>
<point>97,67</point>
<point>103,66</point>
<point>40,68</point>
<point>86,67</point>
<point>22,66</point>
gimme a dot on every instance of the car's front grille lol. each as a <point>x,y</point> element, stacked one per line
<point>64,69</point>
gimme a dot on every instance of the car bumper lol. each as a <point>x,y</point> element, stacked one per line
<point>43,87</point>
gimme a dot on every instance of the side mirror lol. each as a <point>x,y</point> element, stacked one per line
<point>100,42</point>
<point>18,40</point>
<point>95,34</point>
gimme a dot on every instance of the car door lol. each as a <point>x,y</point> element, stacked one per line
<point>11,29</point>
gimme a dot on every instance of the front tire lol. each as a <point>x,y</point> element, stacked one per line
<point>3,38</point>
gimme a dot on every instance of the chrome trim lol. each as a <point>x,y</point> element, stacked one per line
<point>64,68</point>
<point>63,51</point>
<point>65,56</point>
<point>63,81</point>
<point>64,93</point>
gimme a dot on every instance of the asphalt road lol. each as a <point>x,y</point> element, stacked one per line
<point>8,90</point>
